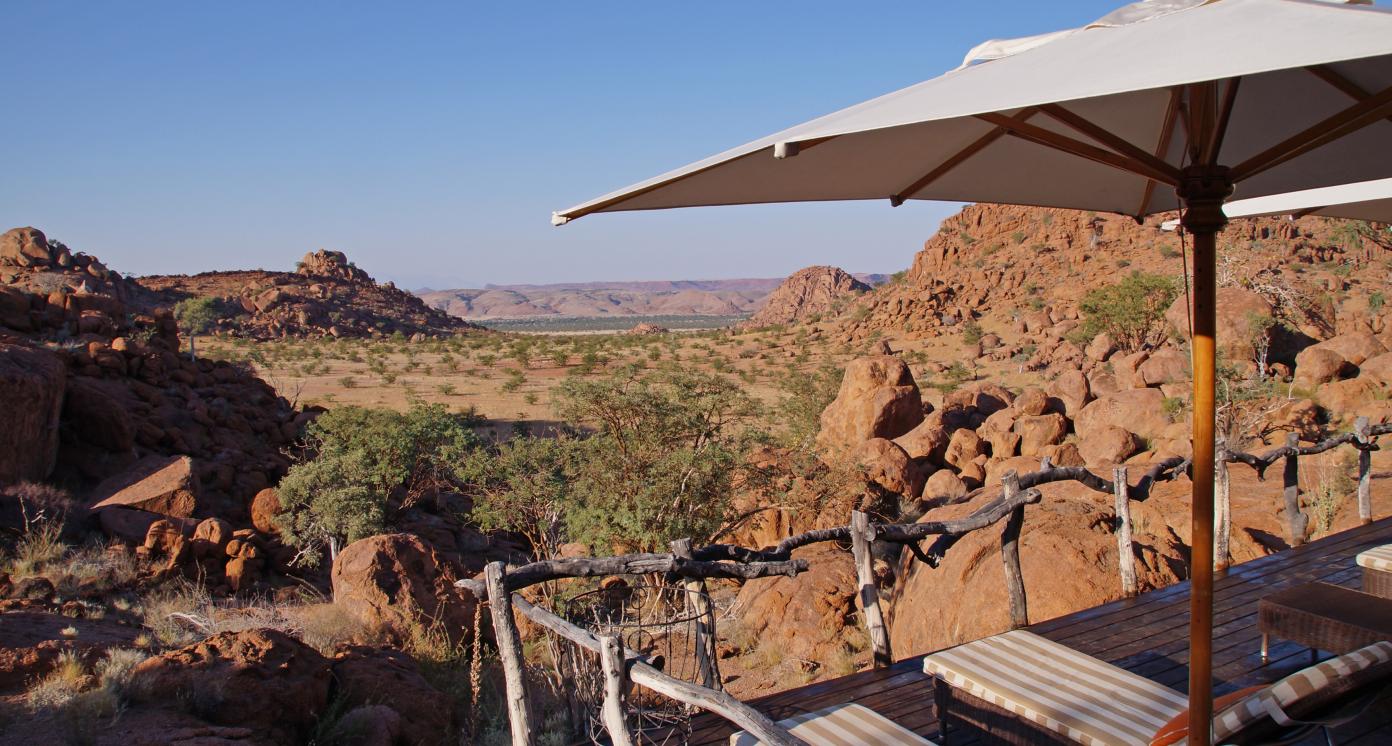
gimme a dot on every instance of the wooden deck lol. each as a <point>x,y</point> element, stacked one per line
<point>1147,634</point>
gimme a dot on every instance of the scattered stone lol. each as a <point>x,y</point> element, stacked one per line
<point>166,485</point>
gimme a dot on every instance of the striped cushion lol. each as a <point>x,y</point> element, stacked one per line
<point>1310,681</point>
<point>1058,688</point>
<point>842,725</point>
<point>1377,558</point>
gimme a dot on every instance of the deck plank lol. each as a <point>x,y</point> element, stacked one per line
<point>1147,634</point>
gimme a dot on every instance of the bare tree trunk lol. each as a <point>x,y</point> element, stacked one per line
<point>1126,554</point>
<point>869,594</point>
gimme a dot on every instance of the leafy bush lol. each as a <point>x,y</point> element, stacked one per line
<point>972,332</point>
<point>522,486</point>
<point>365,463</point>
<point>1132,311</point>
<point>805,396</point>
<point>662,460</point>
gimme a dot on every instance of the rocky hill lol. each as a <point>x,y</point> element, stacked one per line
<point>1024,264</point>
<point>100,400</point>
<point>598,299</point>
<point>809,292</point>
<point>326,296</point>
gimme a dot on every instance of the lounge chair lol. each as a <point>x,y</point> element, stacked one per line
<point>1020,688</point>
<point>1322,616</point>
<point>1377,570</point>
<point>843,725</point>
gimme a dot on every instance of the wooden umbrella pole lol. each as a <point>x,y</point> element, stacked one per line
<point>1203,190</point>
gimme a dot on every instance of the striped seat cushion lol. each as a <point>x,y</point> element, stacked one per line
<point>1058,688</point>
<point>1377,558</point>
<point>843,725</point>
<point>1342,672</point>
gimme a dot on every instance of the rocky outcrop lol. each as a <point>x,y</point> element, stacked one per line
<point>808,292</point>
<point>877,399</point>
<point>261,679</point>
<point>330,264</point>
<point>397,583</point>
<point>31,396</point>
<point>1238,324</point>
<point>648,329</point>
<point>1068,555</point>
<point>326,296</point>
<point>807,616</point>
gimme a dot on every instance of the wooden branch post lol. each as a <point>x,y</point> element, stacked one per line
<point>510,653</point>
<point>1010,553</point>
<point>1365,472</point>
<point>1126,555</point>
<point>698,601</point>
<point>611,658</point>
<point>862,537</point>
<point>639,672</point>
<point>1222,507</point>
<point>1295,520</point>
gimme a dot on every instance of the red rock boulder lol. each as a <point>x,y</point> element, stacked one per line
<point>261,679</point>
<point>31,397</point>
<point>398,583</point>
<point>167,485</point>
<point>386,677</point>
<point>877,399</point>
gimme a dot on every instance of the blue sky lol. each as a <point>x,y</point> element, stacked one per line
<point>432,141</point>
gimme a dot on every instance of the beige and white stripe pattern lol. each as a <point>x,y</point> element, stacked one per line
<point>843,725</point>
<point>1059,688</point>
<point>1307,681</point>
<point>1377,558</point>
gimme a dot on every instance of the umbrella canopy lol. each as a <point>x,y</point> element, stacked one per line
<point>1161,105</point>
<point>1092,119</point>
<point>1367,200</point>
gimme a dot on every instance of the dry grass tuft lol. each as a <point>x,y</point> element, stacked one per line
<point>54,691</point>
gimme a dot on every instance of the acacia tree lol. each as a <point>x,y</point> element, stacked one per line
<point>197,316</point>
<point>1131,312</point>
<point>361,467</point>
<point>662,459</point>
<point>521,486</point>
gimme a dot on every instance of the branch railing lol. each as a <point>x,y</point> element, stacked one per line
<point>732,562</point>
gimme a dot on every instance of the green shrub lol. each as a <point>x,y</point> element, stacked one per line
<point>1132,311</point>
<point>972,332</point>
<point>662,460</point>
<point>805,396</point>
<point>360,464</point>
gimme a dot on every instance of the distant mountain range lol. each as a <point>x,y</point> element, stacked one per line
<point>591,299</point>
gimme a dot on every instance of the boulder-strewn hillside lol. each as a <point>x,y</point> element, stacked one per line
<point>99,399</point>
<point>326,295</point>
<point>808,292</point>
<point>1027,263</point>
<point>590,299</point>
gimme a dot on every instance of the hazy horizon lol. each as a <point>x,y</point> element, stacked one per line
<point>431,143</point>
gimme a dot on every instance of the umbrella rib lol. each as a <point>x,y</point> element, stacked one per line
<point>1161,148</point>
<point>1110,139</point>
<point>956,159</point>
<point>1215,144</point>
<point>1361,114</point>
<point>1047,138</point>
<point>1346,86</point>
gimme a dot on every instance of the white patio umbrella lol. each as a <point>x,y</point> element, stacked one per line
<point>1160,105</point>
<point>1367,200</point>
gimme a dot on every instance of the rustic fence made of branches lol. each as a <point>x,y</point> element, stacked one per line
<point>692,567</point>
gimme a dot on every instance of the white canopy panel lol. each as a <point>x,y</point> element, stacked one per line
<point>1300,63</point>
<point>1368,200</point>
